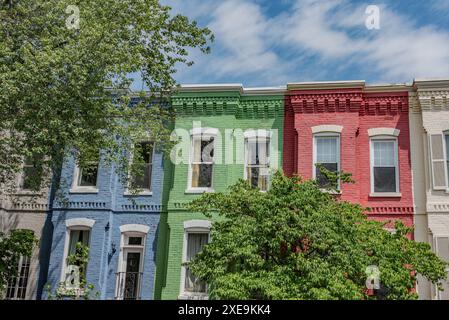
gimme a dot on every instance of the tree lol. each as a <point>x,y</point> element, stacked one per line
<point>65,66</point>
<point>12,246</point>
<point>298,242</point>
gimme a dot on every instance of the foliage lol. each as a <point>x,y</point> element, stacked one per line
<point>79,258</point>
<point>12,246</point>
<point>298,242</point>
<point>66,87</point>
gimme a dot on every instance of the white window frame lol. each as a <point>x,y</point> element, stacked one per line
<point>82,224</point>
<point>328,134</point>
<point>446,158</point>
<point>396,161</point>
<point>256,135</point>
<point>195,134</point>
<point>192,226</point>
<point>18,278</point>
<point>127,231</point>
<point>76,188</point>
<point>144,192</point>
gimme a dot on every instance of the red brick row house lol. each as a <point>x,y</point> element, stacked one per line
<point>363,130</point>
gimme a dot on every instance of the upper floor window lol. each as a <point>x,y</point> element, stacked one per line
<point>326,155</point>
<point>202,161</point>
<point>257,161</point>
<point>31,175</point>
<point>141,178</point>
<point>86,176</point>
<point>384,165</point>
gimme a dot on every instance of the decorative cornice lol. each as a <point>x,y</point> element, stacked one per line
<point>438,207</point>
<point>81,205</point>
<point>325,85</point>
<point>28,206</point>
<point>391,210</point>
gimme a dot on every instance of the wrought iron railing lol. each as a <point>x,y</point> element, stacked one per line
<point>129,285</point>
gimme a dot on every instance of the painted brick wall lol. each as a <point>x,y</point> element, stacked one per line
<point>227,111</point>
<point>110,208</point>
<point>357,112</point>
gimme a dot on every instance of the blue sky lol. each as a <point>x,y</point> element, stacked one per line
<point>270,43</point>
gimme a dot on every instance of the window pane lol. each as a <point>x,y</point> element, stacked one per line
<point>195,243</point>
<point>384,179</point>
<point>88,176</point>
<point>258,152</point>
<point>207,149</point>
<point>322,181</point>
<point>326,149</point>
<point>258,177</point>
<point>142,178</point>
<point>202,175</point>
<point>30,173</point>
<point>384,153</point>
<point>136,241</point>
<point>17,286</point>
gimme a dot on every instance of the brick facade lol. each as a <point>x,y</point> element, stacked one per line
<point>357,109</point>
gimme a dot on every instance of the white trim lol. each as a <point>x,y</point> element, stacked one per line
<point>356,84</point>
<point>213,132</point>
<point>383,132</point>
<point>197,224</point>
<point>446,159</point>
<point>79,222</point>
<point>327,128</point>
<point>134,228</point>
<point>385,195</point>
<point>259,133</point>
<point>396,161</point>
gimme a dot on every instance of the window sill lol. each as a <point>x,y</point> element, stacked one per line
<point>84,190</point>
<point>199,190</point>
<point>139,194</point>
<point>193,296</point>
<point>385,195</point>
<point>332,192</point>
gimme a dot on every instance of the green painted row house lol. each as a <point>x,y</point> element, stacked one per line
<point>225,133</point>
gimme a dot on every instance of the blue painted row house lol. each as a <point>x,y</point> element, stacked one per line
<point>119,228</point>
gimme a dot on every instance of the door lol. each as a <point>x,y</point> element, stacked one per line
<point>132,263</point>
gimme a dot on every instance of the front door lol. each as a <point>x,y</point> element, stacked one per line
<point>132,275</point>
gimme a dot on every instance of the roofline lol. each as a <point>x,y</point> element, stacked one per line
<point>435,83</point>
<point>325,85</point>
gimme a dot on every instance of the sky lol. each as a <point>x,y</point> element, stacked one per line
<point>271,43</point>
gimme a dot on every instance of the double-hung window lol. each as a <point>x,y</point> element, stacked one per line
<point>31,175</point>
<point>86,176</point>
<point>202,161</point>
<point>327,156</point>
<point>257,164</point>
<point>142,168</point>
<point>78,238</point>
<point>384,165</point>
<point>17,286</point>
<point>195,243</point>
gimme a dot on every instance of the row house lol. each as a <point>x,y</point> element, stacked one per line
<point>363,130</point>
<point>95,207</point>
<point>225,133</point>
<point>23,208</point>
<point>429,129</point>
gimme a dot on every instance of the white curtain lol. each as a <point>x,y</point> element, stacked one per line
<point>195,243</point>
<point>384,153</point>
<point>326,150</point>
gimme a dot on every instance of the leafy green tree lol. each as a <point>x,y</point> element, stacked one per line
<point>65,70</point>
<point>12,246</point>
<point>298,242</point>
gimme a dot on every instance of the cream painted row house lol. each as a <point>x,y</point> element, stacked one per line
<point>22,208</point>
<point>429,141</point>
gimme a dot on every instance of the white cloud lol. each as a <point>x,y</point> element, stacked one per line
<point>313,38</point>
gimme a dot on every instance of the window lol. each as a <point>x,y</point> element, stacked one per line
<point>86,177</point>
<point>31,175</point>
<point>384,165</point>
<point>326,155</point>
<point>202,161</point>
<point>77,237</point>
<point>130,272</point>
<point>17,287</point>
<point>142,178</point>
<point>195,243</point>
<point>446,138</point>
<point>257,164</point>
